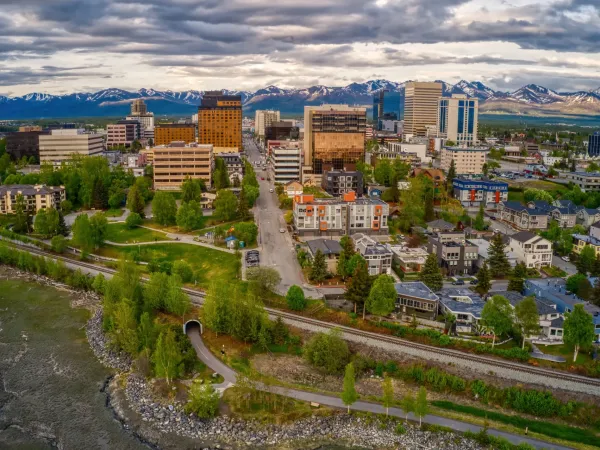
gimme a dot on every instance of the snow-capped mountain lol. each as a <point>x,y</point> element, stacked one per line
<point>115,102</point>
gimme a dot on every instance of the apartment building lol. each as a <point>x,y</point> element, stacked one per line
<point>149,155</point>
<point>521,216</point>
<point>235,166</point>
<point>457,119</point>
<point>174,162</point>
<point>594,144</point>
<point>455,255</point>
<point>61,145</point>
<point>403,148</point>
<point>340,182</point>
<point>377,255</point>
<point>420,107</point>
<point>588,182</point>
<point>409,260</point>
<point>338,217</point>
<point>334,138</point>
<point>416,299</point>
<point>36,197</point>
<point>24,143</point>
<point>29,128</point>
<point>285,163</point>
<point>165,133</point>
<point>263,119</point>
<point>566,216</point>
<point>531,249</point>
<point>467,160</point>
<point>283,144</point>
<point>123,132</point>
<point>472,193</point>
<point>220,122</point>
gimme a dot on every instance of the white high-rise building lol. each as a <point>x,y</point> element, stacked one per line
<point>264,119</point>
<point>284,164</point>
<point>457,119</point>
<point>61,145</point>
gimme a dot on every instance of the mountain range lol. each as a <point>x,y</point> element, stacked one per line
<point>531,99</point>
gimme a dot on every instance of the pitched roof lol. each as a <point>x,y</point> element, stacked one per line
<point>415,289</point>
<point>516,206</point>
<point>440,223</point>
<point>515,298</point>
<point>327,246</point>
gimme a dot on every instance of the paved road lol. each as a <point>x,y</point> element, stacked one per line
<point>230,378</point>
<point>568,267</point>
<point>277,249</point>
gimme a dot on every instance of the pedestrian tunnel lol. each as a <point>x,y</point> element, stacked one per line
<point>191,325</point>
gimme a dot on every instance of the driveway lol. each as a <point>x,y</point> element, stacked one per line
<point>568,267</point>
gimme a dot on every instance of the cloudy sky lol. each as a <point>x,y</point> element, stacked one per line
<point>60,46</point>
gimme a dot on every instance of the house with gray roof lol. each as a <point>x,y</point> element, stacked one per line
<point>532,250</point>
<point>587,216</point>
<point>521,216</point>
<point>378,256</point>
<point>464,304</point>
<point>415,298</point>
<point>439,225</point>
<point>330,248</point>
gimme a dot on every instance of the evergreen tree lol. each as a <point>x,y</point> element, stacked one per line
<point>191,189</point>
<point>349,394</point>
<point>99,194</point>
<point>40,223</point>
<point>429,211</point>
<point>595,295</point>
<point>341,265</point>
<point>388,394</point>
<point>348,246</point>
<point>479,223</point>
<point>359,286</point>
<point>520,270</point>
<point>516,284</point>
<point>421,406</point>
<point>62,226</point>
<point>242,209</point>
<point>595,272</point>
<point>22,216</point>
<point>431,274</point>
<point>318,270</point>
<point>450,177</point>
<point>484,283</point>
<point>135,201</point>
<point>497,259</point>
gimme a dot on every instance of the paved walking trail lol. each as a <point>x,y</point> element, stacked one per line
<point>230,378</point>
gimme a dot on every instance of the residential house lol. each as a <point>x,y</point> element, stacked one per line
<point>566,216</point>
<point>330,248</point>
<point>551,321</point>
<point>235,166</point>
<point>595,230</point>
<point>464,304</point>
<point>337,217</point>
<point>436,226</point>
<point>293,188</point>
<point>207,199</point>
<point>521,216</point>
<point>436,176</point>
<point>409,260</point>
<point>554,291</point>
<point>532,250</point>
<point>581,240</point>
<point>454,254</point>
<point>377,255</point>
<point>415,298</point>
<point>587,216</point>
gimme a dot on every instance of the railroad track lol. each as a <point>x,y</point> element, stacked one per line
<point>197,297</point>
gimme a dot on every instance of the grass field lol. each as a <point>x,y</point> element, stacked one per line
<point>119,233</point>
<point>208,264</point>
<point>538,184</point>
<point>114,212</point>
<point>174,228</point>
<point>550,429</point>
<point>566,352</point>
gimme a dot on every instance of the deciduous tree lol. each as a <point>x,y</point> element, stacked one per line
<point>421,404</point>
<point>164,208</point>
<point>527,317</point>
<point>133,220</point>
<point>497,314</point>
<point>189,215</point>
<point>203,401</point>
<point>295,298</point>
<point>98,228</point>
<point>382,297</point>
<point>225,205</point>
<point>408,403</point>
<point>191,189</point>
<point>388,394</point>
<point>167,357</point>
<point>349,394</point>
<point>579,329</point>
<point>585,261</point>
<point>327,351</point>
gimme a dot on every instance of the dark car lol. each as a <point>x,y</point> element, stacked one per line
<point>458,283</point>
<point>475,281</point>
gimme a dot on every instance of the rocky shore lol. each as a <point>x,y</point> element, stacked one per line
<point>229,433</point>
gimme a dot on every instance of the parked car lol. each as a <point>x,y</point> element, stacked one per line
<point>271,190</point>
<point>565,258</point>
<point>458,283</point>
<point>282,230</point>
<point>475,281</point>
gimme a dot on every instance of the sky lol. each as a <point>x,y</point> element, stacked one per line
<point>64,46</point>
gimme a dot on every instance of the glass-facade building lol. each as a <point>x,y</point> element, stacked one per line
<point>594,144</point>
<point>386,106</point>
<point>458,119</point>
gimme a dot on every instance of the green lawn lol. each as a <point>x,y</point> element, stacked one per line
<point>515,197</point>
<point>174,228</point>
<point>553,430</point>
<point>119,233</point>
<point>208,264</point>
<point>566,352</point>
<point>114,212</point>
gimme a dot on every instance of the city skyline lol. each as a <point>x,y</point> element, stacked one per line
<point>60,46</point>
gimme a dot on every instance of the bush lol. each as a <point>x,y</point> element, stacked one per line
<point>133,220</point>
<point>327,351</point>
<point>203,401</point>
<point>295,298</point>
<point>184,270</point>
<point>59,243</point>
<point>400,429</point>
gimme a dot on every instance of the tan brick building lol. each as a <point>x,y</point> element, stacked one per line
<point>173,162</point>
<point>421,107</point>
<point>220,121</point>
<point>166,133</point>
<point>36,197</point>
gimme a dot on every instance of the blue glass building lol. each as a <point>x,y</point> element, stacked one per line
<point>594,144</point>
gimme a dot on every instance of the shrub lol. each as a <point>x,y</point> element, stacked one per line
<point>327,351</point>
<point>133,220</point>
<point>184,270</point>
<point>59,243</point>
<point>295,298</point>
<point>400,429</point>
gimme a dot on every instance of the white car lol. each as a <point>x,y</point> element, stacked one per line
<point>282,230</point>
<point>565,258</point>
<point>271,190</point>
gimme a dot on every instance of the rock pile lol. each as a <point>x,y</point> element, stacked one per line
<point>99,344</point>
<point>340,428</point>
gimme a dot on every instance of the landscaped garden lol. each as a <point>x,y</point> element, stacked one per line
<point>122,234</point>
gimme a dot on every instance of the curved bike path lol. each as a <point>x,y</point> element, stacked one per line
<point>230,377</point>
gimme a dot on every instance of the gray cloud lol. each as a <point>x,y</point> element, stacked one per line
<point>24,75</point>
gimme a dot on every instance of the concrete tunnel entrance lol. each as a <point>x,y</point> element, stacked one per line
<point>191,325</point>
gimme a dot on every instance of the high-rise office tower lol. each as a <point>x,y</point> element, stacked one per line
<point>457,119</point>
<point>263,120</point>
<point>334,138</point>
<point>138,107</point>
<point>386,106</point>
<point>220,121</point>
<point>420,106</point>
<point>594,144</point>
